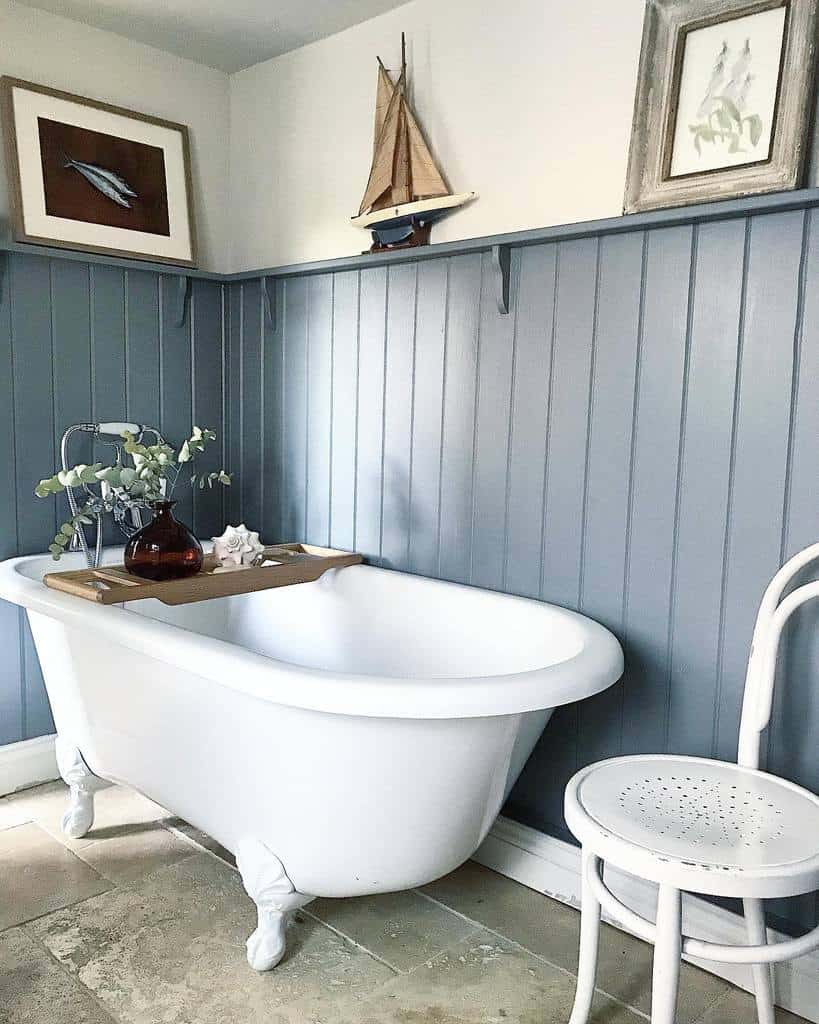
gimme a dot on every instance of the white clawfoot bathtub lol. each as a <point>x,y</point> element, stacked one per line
<point>354,735</point>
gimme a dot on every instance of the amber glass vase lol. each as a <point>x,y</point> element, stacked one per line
<point>165,549</point>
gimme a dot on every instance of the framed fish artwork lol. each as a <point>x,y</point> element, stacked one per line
<point>724,100</point>
<point>89,176</point>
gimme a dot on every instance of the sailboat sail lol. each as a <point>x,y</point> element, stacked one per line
<point>427,180</point>
<point>403,168</point>
<point>383,165</point>
<point>382,101</point>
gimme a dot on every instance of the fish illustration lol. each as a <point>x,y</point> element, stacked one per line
<point>110,184</point>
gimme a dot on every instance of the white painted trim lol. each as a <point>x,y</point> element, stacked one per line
<point>27,763</point>
<point>552,866</point>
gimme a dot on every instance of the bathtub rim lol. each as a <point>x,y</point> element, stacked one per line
<point>596,666</point>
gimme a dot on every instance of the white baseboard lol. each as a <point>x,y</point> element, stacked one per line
<point>552,866</point>
<point>27,763</point>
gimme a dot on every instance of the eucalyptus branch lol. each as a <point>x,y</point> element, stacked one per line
<point>152,477</point>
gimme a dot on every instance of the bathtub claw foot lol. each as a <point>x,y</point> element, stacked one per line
<point>266,946</point>
<point>82,784</point>
<point>275,896</point>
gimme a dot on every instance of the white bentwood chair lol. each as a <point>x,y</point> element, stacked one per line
<point>708,827</point>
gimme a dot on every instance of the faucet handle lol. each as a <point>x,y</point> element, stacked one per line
<point>117,429</point>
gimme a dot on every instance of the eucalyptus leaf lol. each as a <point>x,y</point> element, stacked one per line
<point>152,475</point>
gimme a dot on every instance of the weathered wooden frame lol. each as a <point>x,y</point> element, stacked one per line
<point>666,24</point>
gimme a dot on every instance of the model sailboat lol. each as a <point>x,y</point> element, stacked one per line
<point>406,191</point>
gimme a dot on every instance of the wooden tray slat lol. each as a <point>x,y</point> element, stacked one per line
<point>112,584</point>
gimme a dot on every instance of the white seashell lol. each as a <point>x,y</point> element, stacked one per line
<point>237,546</point>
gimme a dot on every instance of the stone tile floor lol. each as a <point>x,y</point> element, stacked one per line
<point>144,921</point>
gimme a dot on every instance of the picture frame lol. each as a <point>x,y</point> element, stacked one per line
<point>724,100</point>
<point>94,177</point>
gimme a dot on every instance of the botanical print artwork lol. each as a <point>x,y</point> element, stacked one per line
<point>102,179</point>
<point>727,93</point>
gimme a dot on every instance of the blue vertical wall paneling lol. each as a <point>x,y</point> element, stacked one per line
<point>12,725</point>
<point>637,439</point>
<point>600,447</point>
<point>34,384</point>
<point>81,341</point>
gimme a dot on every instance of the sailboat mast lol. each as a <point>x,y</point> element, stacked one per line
<point>406,148</point>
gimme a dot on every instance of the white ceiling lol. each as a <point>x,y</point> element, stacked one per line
<point>224,34</point>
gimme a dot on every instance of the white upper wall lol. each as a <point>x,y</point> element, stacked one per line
<point>51,50</point>
<point>529,103</point>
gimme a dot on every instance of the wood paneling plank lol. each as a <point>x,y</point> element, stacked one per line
<point>760,452</point>
<point>458,440</point>
<point>607,513</point>
<point>398,394</point>
<point>492,427</point>
<point>319,406</point>
<point>273,416</point>
<point>428,388</point>
<point>371,365</point>
<point>529,415</point>
<point>252,468</point>
<point>295,409</point>
<point>345,410</point>
<point>175,406</point>
<point>704,485</point>
<point>654,488</point>
<point>207,353</point>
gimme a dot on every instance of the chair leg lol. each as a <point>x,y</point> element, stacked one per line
<point>589,937</point>
<point>667,951</point>
<point>757,936</point>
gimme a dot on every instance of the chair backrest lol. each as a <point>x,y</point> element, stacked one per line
<point>774,612</point>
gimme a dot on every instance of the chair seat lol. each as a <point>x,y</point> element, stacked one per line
<point>700,825</point>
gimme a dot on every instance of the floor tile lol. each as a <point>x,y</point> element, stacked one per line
<point>114,807</point>
<point>15,809</point>
<point>201,838</point>
<point>35,989</point>
<point>481,980</point>
<point>171,948</point>
<point>135,851</point>
<point>402,928</point>
<point>39,875</point>
<point>552,930</point>
<point>738,1007</point>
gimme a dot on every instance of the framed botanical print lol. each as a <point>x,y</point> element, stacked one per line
<point>90,176</point>
<point>724,98</point>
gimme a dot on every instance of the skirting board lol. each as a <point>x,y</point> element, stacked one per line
<point>552,866</point>
<point>27,763</point>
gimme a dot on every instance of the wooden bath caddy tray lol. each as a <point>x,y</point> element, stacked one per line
<point>294,563</point>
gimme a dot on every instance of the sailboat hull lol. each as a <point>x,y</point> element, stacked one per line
<point>404,236</point>
<point>421,211</point>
